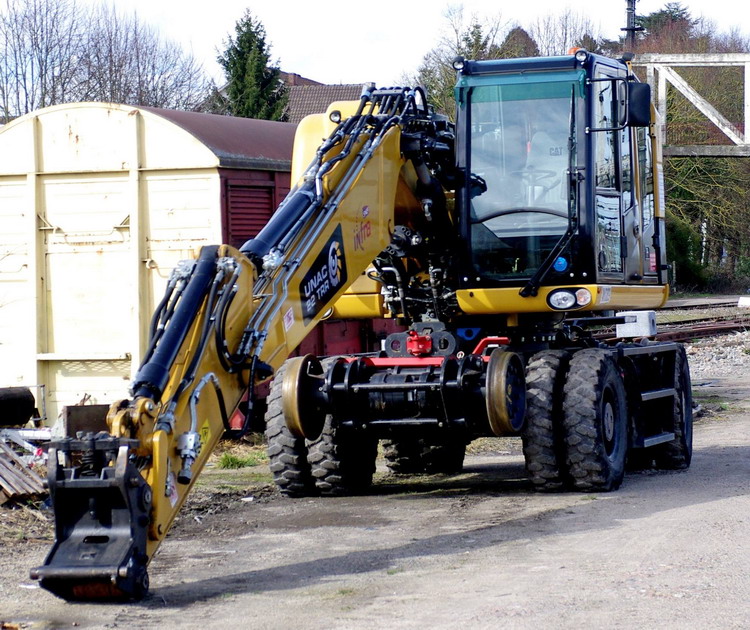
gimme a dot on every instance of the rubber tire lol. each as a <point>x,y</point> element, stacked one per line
<point>414,455</point>
<point>594,395</point>
<point>445,457</point>
<point>342,462</point>
<point>677,454</point>
<point>403,456</point>
<point>543,438</point>
<point>287,454</point>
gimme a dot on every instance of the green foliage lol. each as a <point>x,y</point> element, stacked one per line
<point>254,88</point>
<point>673,16</point>
<point>518,43</point>
<point>683,252</point>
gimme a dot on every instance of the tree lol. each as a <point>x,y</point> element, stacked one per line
<point>673,17</point>
<point>707,203</point>
<point>478,40</point>
<point>518,43</point>
<point>54,51</point>
<point>39,43</point>
<point>555,34</point>
<point>254,88</point>
<point>126,61</point>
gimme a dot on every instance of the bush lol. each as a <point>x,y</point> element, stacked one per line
<point>683,253</point>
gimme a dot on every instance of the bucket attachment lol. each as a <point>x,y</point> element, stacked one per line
<point>101,504</point>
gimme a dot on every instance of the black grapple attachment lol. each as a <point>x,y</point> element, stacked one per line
<point>101,504</point>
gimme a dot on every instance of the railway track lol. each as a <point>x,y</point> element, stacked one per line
<point>684,320</point>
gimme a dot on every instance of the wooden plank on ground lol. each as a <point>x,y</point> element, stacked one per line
<point>16,479</point>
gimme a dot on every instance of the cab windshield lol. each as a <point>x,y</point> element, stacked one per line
<point>519,147</point>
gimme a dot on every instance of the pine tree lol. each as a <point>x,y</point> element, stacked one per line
<point>254,88</point>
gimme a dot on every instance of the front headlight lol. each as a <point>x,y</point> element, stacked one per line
<point>562,300</point>
<point>565,299</point>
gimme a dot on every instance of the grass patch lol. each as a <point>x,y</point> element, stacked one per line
<point>231,461</point>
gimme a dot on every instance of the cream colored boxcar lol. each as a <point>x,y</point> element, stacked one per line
<point>98,202</point>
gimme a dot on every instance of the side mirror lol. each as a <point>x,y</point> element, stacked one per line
<point>639,104</point>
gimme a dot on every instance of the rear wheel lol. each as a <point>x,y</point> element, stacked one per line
<point>342,461</point>
<point>287,454</point>
<point>543,439</point>
<point>403,456</point>
<point>678,453</point>
<point>414,455</point>
<point>445,456</point>
<point>595,421</point>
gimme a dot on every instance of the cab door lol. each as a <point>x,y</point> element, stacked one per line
<point>617,237</point>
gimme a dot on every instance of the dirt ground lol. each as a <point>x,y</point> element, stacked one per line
<point>479,550</point>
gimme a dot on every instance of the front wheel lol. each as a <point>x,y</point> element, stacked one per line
<point>287,453</point>
<point>595,421</point>
<point>543,441</point>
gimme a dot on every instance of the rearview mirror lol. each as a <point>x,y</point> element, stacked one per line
<point>639,104</point>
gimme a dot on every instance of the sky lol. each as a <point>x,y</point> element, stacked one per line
<point>336,42</point>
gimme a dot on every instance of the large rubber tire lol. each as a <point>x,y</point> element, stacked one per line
<point>287,454</point>
<point>446,458</point>
<point>342,461</point>
<point>543,436</point>
<point>677,454</point>
<point>403,456</point>
<point>414,455</point>
<point>595,421</point>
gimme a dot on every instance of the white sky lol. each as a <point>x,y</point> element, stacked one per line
<point>339,42</point>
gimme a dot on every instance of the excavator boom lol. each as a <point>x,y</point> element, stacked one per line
<point>227,322</point>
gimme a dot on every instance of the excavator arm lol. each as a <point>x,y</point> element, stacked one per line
<point>228,320</point>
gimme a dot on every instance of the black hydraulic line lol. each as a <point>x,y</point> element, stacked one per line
<point>153,374</point>
<point>156,320</point>
<point>208,321</point>
<point>280,223</point>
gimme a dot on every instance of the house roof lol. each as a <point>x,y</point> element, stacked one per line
<point>315,99</point>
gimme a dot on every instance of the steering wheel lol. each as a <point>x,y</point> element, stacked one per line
<point>538,177</point>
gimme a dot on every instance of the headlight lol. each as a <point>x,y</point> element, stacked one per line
<point>583,297</point>
<point>562,300</point>
<point>565,299</point>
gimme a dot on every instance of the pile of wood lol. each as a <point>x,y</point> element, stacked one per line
<point>17,480</point>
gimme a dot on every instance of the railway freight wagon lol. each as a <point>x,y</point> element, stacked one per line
<point>98,203</point>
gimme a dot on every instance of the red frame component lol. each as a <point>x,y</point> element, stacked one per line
<point>418,345</point>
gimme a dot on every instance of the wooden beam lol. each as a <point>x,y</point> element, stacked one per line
<point>701,150</point>
<point>703,106</point>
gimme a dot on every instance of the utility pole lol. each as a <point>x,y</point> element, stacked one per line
<point>631,29</point>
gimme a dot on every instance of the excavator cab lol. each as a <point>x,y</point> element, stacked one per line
<point>560,181</point>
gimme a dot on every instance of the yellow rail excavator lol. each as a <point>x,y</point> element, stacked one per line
<point>500,244</point>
